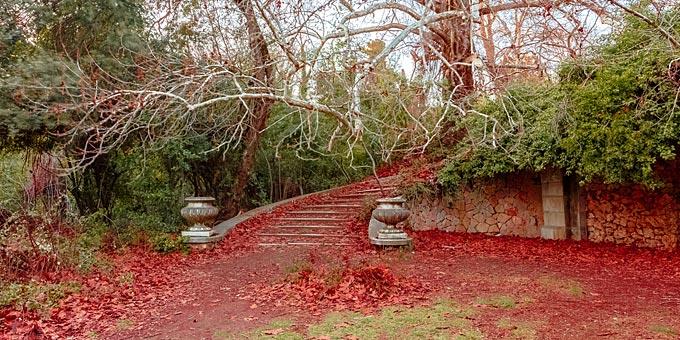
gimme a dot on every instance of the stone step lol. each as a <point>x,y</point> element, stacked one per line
<point>313,219</point>
<point>346,202</point>
<point>318,212</point>
<point>377,190</point>
<point>325,206</point>
<point>303,235</point>
<point>307,227</point>
<point>353,196</point>
<point>303,244</point>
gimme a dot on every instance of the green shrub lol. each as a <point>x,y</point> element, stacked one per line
<point>412,191</point>
<point>168,243</point>
<point>35,295</point>
<point>367,206</point>
<point>12,177</point>
<point>611,117</point>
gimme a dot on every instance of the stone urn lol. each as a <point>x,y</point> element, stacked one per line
<point>200,214</point>
<point>391,212</point>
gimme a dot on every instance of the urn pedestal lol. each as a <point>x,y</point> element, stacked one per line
<point>200,214</point>
<point>391,211</point>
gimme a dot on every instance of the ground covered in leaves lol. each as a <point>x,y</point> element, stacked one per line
<point>451,286</point>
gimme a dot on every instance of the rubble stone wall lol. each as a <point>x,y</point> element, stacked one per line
<point>512,205</point>
<point>632,215</point>
<point>508,205</point>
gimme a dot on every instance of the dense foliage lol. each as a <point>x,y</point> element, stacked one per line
<point>131,195</point>
<point>611,117</point>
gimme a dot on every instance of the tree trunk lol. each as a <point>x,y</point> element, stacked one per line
<point>259,109</point>
<point>458,49</point>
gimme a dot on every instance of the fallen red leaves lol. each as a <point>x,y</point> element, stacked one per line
<point>351,287</point>
<point>140,282</point>
<point>137,279</point>
<point>640,263</point>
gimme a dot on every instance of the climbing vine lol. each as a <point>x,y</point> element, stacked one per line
<point>611,117</point>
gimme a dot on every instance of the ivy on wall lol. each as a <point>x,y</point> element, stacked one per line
<point>611,117</point>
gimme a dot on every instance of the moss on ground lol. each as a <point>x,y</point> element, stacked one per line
<point>443,320</point>
<point>500,301</point>
<point>565,286</point>
<point>664,330</point>
<point>35,296</point>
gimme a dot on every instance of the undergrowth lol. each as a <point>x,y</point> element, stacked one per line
<point>35,296</point>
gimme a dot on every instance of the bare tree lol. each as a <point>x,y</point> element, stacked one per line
<point>232,61</point>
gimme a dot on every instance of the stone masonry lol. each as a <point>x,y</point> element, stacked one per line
<point>632,215</point>
<point>507,206</point>
<point>533,205</point>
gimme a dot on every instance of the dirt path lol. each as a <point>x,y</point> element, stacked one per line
<point>555,301</point>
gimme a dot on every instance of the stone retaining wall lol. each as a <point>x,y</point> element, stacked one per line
<point>513,205</point>
<point>632,215</point>
<point>509,206</point>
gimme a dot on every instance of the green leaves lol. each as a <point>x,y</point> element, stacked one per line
<point>611,117</point>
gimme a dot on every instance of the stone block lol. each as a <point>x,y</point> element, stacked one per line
<point>503,218</point>
<point>374,226</point>
<point>553,203</point>
<point>482,228</point>
<point>554,219</point>
<point>553,188</point>
<point>554,232</point>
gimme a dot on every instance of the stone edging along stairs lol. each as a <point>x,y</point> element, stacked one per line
<point>322,223</point>
<point>325,223</point>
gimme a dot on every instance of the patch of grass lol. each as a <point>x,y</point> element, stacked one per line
<point>519,330</point>
<point>563,285</point>
<point>168,243</point>
<point>12,178</point>
<point>500,301</point>
<point>127,278</point>
<point>295,269</point>
<point>444,320</point>
<point>124,324</point>
<point>664,330</point>
<point>36,296</point>
<point>277,329</point>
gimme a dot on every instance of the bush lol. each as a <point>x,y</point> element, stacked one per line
<point>367,206</point>
<point>12,177</point>
<point>34,295</point>
<point>612,117</point>
<point>168,243</point>
<point>29,245</point>
<point>412,191</point>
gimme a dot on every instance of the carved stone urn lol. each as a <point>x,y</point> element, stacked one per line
<point>391,212</point>
<point>200,214</point>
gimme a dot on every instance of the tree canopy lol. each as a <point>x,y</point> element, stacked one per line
<point>611,116</point>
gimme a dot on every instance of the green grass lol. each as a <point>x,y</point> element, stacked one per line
<point>518,329</point>
<point>443,320</point>
<point>278,330</point>
<point>13,175</point>
<point>664,330</point>
<point>562,285</point>
<point>124,324</point>
<point>500,301</point>
<point>35,296</point>
<point>126,278</point>
<point>292,271</point>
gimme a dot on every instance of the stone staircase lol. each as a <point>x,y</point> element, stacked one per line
<point>324,223</point>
